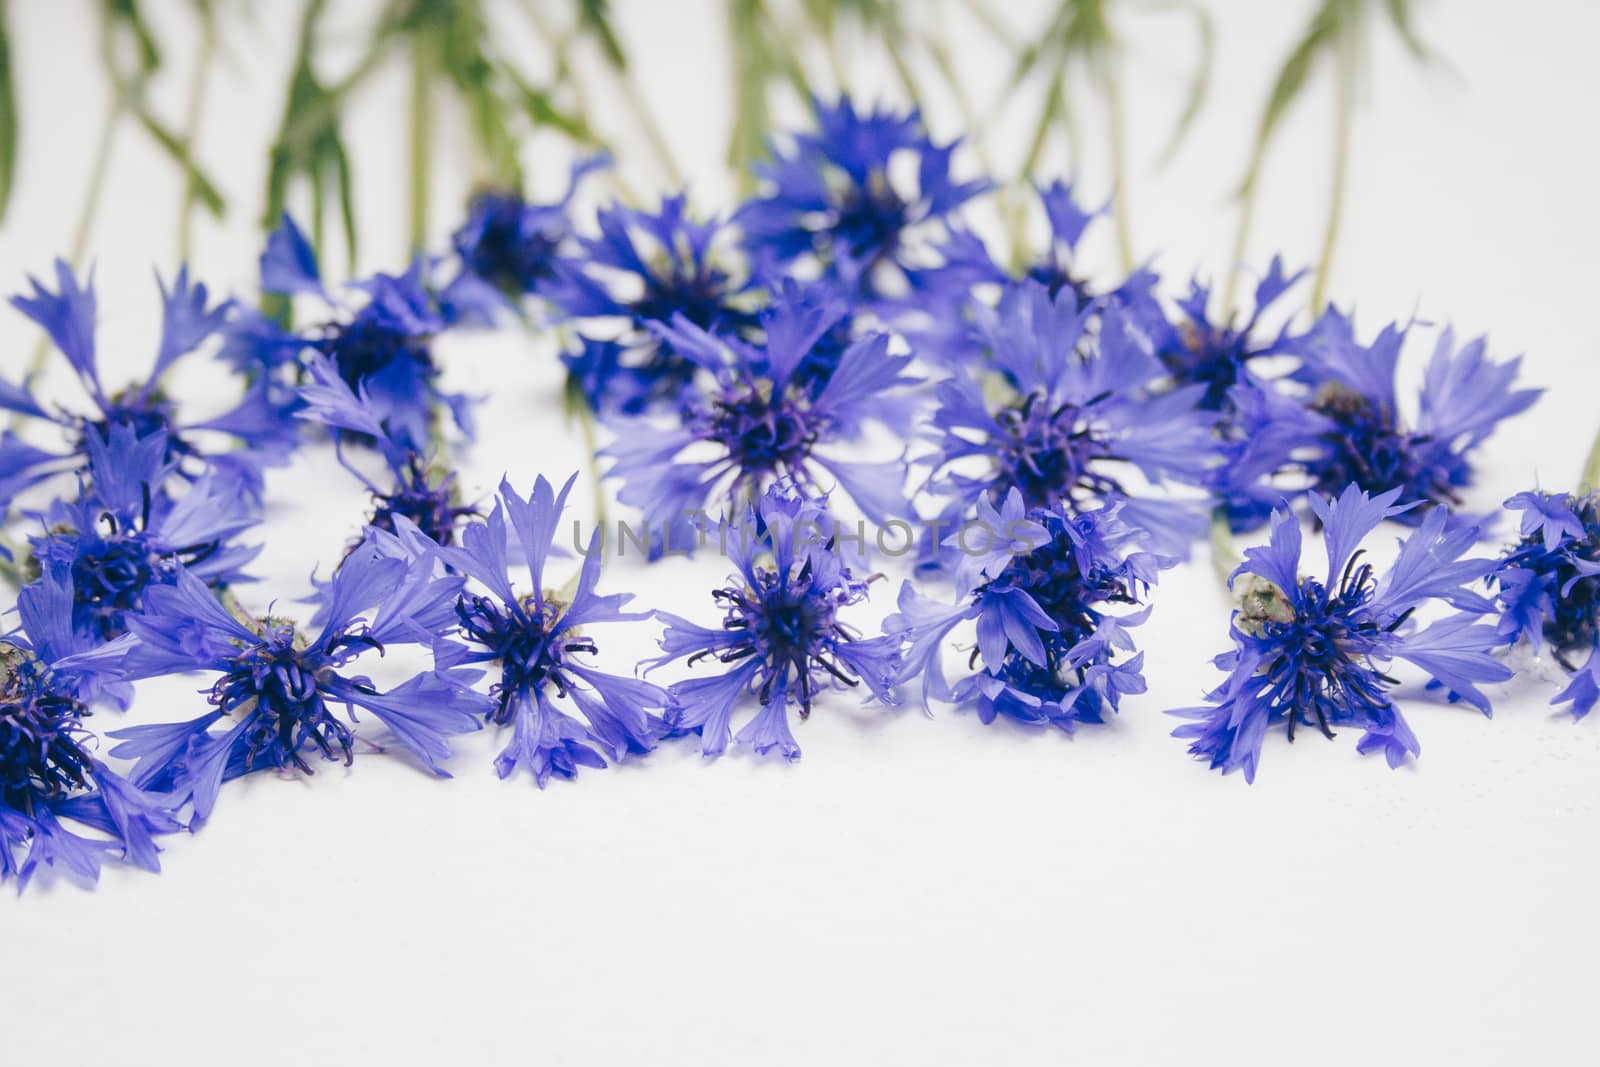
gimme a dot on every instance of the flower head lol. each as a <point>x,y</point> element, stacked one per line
<point>509,248</point>
<point>563,711</point>
<point>1317,651</point>
<point>757,417</point>
<point>49,773</point>
<point>122,535</point>
<point>834,198</point>
<point>1367,443</point>
<point>782,637</point>
<point>236,444</point>
<point>277,688</point>
<point>1075,414</point>
<point>1053,594</point>
<point>1548,587</point>
<point>1197,350</point>
<point>420,489</point>
<point>383,349</point>
<point>648,268</point>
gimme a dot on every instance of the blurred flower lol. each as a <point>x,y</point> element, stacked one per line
<point>649,268</point>
<point>781,637</point>
<point>834,197</point>
<point>1314,651</point>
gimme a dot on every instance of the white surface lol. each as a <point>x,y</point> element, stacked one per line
<point>914,891</point>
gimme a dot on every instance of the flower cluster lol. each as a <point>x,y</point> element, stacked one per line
<point>844,342</point>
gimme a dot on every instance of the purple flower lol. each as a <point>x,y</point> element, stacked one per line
<point>1051,602</point>
<point>1366,442</point>
<point>382,349</point>
<point>642,269</point>
<point>563,711</point>
<point>1071,415</point>
<point>781,637</point>
<point>123,535</point>
<point>1314,651</point>
<point>834,196</point>
<point>1548,587</point>
<point>50,778</point>
<point>757,418</point>
<point>235,445</point>
<point>277,688</point>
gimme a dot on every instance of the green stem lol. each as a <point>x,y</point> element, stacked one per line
<point>1017,210</point>
<point>1225,558</point>
<point>1590,481</point>
<point>1241,237</point>
<point>197,100</point>
<point>1343,116</point>
<point>421,140</point>
<point>1119,166</point>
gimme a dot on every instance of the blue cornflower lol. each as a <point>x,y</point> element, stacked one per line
<point>649,268</point>
<point>936,315</point>
<point>1352,386</point>
<point>277,687</point>
<point>1548,587</point>
<point>510,248</point>
<point>49,775</point>
<point>539,641</point>
<point>757,418</point>
<point>781,636</point>
<point>1196,350</point>
<point>1078,413</point>
<point>1318,651</point>
<point>420,490</point>
<point>1050,591</point>
<point>834,197</point>
<point>122,535</point>
<point>383,349</point>
<point>257,430</point>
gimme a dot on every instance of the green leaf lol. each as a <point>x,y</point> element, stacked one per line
<point>1320,37</point>
<point>8,116</point>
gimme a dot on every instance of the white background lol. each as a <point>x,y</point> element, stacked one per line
<point>915,890</point>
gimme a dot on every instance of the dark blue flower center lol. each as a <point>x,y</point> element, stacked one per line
<point>369,346</point>
<point>1367,448</point>
<point>1208,356</point>
<point>275,684</point>
<point>42,740</point>
<point>1322,643</point>
<point>524,641</point>
<point>430,504</point>
<point>111,572</point>
<point>764,433</point>
<point>1572,625</point>
<point>870,220</point>
<point>790,625</point>
<point>144,416</point>
<point>509,255</point>
<point>1049,452</point>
